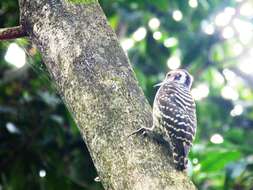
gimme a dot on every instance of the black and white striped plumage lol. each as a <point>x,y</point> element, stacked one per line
<point>174,113</point>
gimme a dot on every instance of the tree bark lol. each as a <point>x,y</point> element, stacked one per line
<point>94,78</point>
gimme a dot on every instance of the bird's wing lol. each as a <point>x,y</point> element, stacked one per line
<point>178,117</point>
<point>177,113</point>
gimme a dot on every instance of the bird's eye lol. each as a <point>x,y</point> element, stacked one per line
<point>168,75</point>
<point>177,77</point>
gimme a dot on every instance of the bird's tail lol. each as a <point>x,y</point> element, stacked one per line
<point>180,162</point>
<point>180,155</point>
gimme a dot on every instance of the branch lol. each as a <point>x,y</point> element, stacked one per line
<point>94,78</point>
<point>12,33</point>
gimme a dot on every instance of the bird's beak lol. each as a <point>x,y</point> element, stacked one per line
<point>159,84</point>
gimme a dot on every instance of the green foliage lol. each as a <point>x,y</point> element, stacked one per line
<point>38,134</point>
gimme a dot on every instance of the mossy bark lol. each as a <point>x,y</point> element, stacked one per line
<point>82,1</point>
<point>94,78</point>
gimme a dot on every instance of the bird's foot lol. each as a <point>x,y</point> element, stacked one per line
<point>141,131</point>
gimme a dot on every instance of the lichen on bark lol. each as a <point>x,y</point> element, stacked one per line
<point>94,78</point>
<point>82,1</point>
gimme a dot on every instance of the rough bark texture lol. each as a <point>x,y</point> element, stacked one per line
<point>94,78</point>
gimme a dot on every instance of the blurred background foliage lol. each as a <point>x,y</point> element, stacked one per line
<point>40,146</point>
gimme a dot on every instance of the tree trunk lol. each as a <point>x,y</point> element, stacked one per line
<point>94,78</point>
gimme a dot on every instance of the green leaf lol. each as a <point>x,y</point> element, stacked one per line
<point>215,161</point>
<point>162,5</point>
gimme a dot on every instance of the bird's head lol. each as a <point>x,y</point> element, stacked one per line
<point>180,76</point>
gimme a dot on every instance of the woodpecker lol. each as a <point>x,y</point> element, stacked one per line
<point>174,114</point>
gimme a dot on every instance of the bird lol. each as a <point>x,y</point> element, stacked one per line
<point>174,114</point>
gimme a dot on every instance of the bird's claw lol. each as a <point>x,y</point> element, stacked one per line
<point>142,131</point>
